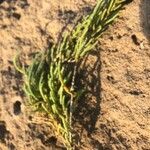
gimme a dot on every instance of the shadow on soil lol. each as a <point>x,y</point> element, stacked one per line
<point>88,106</point>
<point>145,17</point>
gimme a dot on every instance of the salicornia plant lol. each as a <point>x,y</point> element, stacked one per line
<point>49,80</point>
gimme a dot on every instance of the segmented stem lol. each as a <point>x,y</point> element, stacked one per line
<point>50,79</point>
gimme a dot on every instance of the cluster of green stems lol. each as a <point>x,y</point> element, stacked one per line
<point>49,80</point>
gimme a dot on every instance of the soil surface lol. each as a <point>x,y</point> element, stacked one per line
<point>115,114</point>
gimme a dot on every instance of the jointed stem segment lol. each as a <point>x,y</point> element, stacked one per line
<point>49,80</point>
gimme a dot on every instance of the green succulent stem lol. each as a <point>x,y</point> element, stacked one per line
<point>49,80</point>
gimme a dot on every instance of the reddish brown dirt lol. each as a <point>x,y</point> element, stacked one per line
<point>115,115</point>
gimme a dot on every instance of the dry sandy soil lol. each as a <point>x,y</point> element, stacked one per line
<point>116,113</point>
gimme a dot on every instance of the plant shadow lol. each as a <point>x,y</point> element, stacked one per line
<point>88,106</point>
